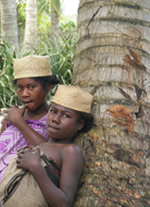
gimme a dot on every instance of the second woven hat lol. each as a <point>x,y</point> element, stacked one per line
<point>73,97</point>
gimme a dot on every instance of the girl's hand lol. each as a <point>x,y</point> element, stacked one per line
<point>15,114</point>
<point>3,124</point>
<point>29,159</point>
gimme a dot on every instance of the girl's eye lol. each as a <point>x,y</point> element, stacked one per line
<point>67,116</point>
<point>52,111</point>
<point>19,88</point>
<point>31,87</point>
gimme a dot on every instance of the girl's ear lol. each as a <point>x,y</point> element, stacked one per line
<point>48,88</point>
<point>81,124</point>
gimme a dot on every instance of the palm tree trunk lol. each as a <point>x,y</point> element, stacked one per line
<point>55,9</point>
<point>54,23</point>
<point>30,39</point>
<point>9,29</point>
<point>112,60</point>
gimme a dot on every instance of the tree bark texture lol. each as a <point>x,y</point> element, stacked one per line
<point>30,39</point>
<point>54,24</point>
<point>9,29</point>
<point>112,61</point>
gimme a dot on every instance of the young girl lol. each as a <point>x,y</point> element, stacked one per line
<point>27,125</point>
<point>69,114</point>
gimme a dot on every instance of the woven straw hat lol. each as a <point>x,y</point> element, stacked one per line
<point>73,97</point>
<point>32,66</point>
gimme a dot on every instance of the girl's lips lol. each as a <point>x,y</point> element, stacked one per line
<point>27,102</point>
<point>52,127</point>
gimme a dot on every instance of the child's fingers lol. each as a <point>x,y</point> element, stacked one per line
<point>36,150</point>
<point>23,108</point>
<point>5,118</point>
<point>21,154</point>
<point>4,111</point>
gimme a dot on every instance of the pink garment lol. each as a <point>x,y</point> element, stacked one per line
<point>12,139</point>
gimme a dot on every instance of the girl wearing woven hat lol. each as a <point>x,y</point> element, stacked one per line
<point>27,125</point>
<point>69,113</point>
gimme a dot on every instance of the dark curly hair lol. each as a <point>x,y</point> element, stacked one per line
<point>45,81</point>
<point>88,121</point>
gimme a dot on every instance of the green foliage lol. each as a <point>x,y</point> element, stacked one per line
<point>21,14</point>
<point>61,52</point>
<point>56,5</point>
<point>44,6</point>
<point>43,21</point>
<point>67,26</point>
<point>44,14</point>
<point>8,96</point>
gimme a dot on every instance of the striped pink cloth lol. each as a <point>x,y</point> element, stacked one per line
<point>11,140</point>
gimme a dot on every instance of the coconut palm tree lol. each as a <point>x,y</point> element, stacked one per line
<point>112,61</point>
<point>9,29</point>
<point>54,14</point>
<point>30,39</point>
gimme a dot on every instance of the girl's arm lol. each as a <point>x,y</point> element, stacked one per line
<point>15,115</point>
<point>4,113</point>
<point>70,173</point>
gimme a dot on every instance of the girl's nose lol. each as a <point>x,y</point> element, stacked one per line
<point>56,118</point>
<point>25,92</point>
<point>53,117</point>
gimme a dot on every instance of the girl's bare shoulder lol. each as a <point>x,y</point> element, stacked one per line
<point>72,150</point>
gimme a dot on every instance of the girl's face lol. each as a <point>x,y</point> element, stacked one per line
<point>63,123</point>
<point>31,93</point>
